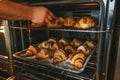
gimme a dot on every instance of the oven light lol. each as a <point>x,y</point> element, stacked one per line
<point>1,29</point>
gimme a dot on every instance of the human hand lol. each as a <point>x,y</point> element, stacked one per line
<point>41,15</point>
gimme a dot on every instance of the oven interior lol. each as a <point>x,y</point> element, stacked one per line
<point>23,35</point>
<point>74,10</point>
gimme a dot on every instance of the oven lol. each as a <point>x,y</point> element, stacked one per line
<point>4,70</point>
<point>21,35</point>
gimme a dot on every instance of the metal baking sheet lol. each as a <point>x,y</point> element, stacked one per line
<point>65,65</point>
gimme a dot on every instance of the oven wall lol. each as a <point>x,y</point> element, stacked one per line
<point>114,63</point>
<point>2,44</point>
<point>4,62</point>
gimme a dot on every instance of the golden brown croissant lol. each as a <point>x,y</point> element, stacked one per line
<point>54,40</point>
<point>69,49</point>
<point>46,44</point>
<point>85,49</point>
<point>90,44</point>
<point>32,50</point>
<point>77,59</point>
<point>64,41</point>
<point>85,22</point>
<point>69,21</point>
<point>44,53</point>
<point>57,46</point>
<point>40,46</point>
<point>56,23</point>
<point>59,56</point>
<point>37,25</point>
<point>76,42</point>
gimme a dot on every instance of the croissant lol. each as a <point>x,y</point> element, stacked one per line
<point>59,56</point>
<point>32,50</point>
<point>60,20</point>
<point>56,23</point>
<point>57,46</point>
<point>90,44</point>
<point>52,40</point>
<point>44,53</point>
<point>64,41</point>
<point>46,44</point>
<point>76,42</point>
<point>77,59</point>
<point>51,24</point>
<point>69,21</point>
<point>37,25</point>
<point>85,22</point>
<point>83,48</point>
<point>40,46</point>
<point>69,49</point>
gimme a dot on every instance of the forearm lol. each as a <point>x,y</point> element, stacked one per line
<point>14,11</point>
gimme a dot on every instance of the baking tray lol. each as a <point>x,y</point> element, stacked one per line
<point>65,65</point>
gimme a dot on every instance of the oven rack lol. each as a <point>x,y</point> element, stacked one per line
<point>3,67</point>
<point>51,72</point>
<point>3,57</point>
<point>64,1</point>
<point>63,66</point>
<point>91,30</point>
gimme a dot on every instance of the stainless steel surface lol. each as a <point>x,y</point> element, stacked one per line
<point>48,72</point>
<point>63,1</point>
<point>7,38</point>
<point>91,30</point>
<point>117,40</point>
<point>110,9</point>
<point>8,43</point>
<point>117,66</point>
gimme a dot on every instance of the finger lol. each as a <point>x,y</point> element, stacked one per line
<point>51,14</point>
<point>49,17</point>
<point>38,21</point>
<point>47,20</point>
<point>36,25</point>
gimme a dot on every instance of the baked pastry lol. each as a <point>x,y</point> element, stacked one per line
<point>56,23</point>
<point>84,49</point>
<point>76,42</point>
<point>64,41</point>
<point>57,46</point>
<point>77,59</point>
<point>69,21</point>
<point>85,22</point>
<point>69,49</point>
<point>59,56</point>
<point>46,44</point>
<point>90,44</point>
<point>44,53</point>
<point>40,46</point>
<point>54,40</point>
<point>37,25</point>
<point>32,50</point>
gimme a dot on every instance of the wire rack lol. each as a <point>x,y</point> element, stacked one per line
<point>53,73</point>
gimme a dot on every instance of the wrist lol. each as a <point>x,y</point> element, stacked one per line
<point>30,13</point>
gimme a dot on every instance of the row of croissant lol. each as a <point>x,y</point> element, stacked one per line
<point>81,23</point>
<point>60,50</point>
